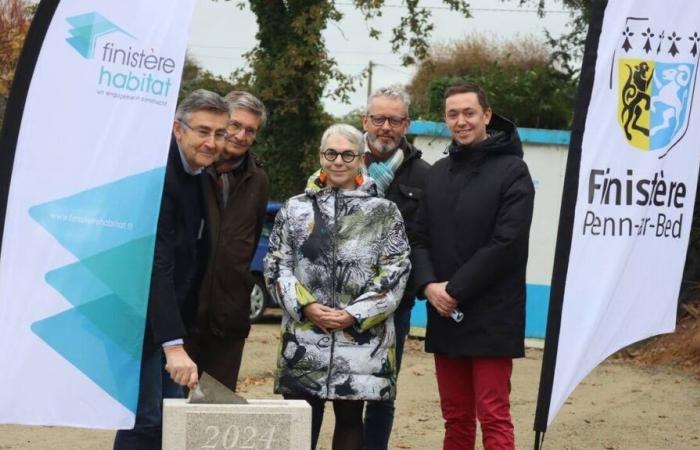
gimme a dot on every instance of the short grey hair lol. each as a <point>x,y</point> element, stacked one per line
<point>349,132</point>
<point>249,102</point>
<point>199,100</point>
<point>395,92</point>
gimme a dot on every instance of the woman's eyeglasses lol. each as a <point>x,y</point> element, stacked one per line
<point>346,155</point>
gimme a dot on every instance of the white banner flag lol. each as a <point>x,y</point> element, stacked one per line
<point>82,208</point>
<point>639,162</point>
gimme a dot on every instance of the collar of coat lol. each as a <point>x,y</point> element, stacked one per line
<point>316,188</point>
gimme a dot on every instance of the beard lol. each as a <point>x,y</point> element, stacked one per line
<point>377,144</point>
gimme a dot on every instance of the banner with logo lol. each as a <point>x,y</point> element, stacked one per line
<point>84,149</point>
<point>629,193</point>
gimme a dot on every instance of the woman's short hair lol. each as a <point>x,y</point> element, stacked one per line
<point>349,132</point>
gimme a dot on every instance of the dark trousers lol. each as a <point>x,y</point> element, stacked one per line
<point>155,385</point>
<point>347,434</point>
<point>379,415</point>
<point>218,356</point>
<point>474,388</point>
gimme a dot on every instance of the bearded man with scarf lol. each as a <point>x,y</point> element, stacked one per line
<point>399,172</point>
<point>470,253</point>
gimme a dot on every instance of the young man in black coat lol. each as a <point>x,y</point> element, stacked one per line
<point>199,132</point>
<point>399,171</point>
<point>469,255</point>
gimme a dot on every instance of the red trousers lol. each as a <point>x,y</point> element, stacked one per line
<point>474,388</point>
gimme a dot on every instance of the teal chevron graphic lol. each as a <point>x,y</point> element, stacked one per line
<point>111,230</point>
<point>86,29</point>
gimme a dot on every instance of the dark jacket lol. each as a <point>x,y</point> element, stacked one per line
<point>472,231</point>
<point>180,253</point>
<point>405,191</point>
<point>224,307</point>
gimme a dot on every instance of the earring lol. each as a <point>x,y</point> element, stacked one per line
<point>322,177</point>
<point>359,179</point>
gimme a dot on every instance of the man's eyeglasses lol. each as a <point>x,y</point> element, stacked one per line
<point>379,121</point>
<point>205,133</point>
<point>346,155</point>
<point>234,127</point>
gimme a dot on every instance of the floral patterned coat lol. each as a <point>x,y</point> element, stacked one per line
<point>346,249</point>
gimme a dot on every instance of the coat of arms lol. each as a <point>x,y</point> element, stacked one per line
<point>656,73</point>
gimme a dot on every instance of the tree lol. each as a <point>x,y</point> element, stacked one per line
<point>568,48</point>
<point>518,75</point>
<point>15,17</point>
<point>290,69</point>
<point>194,77</point>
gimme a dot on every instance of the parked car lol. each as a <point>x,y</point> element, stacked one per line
<point>260,299</point>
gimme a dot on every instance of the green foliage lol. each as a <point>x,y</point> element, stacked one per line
<point>518,76</point>
<point>15,17</point>
<point>290,70</point>
<point>194,77</point>
<point>353,118</point>
<point>568,49</point>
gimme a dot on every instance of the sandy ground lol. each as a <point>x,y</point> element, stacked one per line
<point>619,406</point>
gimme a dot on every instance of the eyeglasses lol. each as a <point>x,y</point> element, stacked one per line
<point>234,127</point>
<point>346,155</point>
<point>205,133</point>
<point>379,121</point>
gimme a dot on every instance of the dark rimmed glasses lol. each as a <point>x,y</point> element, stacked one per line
<point>394,121</point>
<point>347,156</point>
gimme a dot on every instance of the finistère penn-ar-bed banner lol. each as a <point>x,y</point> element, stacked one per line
<point>629,191</point>
<point>84,148</point>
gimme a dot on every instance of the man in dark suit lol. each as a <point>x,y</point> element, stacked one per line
<point>199,133</point>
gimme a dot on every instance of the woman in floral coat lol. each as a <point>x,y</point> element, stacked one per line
<point>338,264</point>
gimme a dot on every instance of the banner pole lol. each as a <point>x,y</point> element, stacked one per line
<point>566,220</point>
<point>539,437</point>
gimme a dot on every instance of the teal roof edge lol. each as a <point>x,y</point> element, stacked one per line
<point>531,135</point>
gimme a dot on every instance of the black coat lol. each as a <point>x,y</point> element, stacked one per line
<point>472,231</point>
<point>180,253</point>
<point>405,190</point>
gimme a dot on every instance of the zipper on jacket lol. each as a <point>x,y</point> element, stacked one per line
<point>333,278</point>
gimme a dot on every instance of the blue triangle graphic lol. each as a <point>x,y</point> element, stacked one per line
<point>126,270</point>
<point>104,217</point>
<point>77,293</point>
<point>111,228</point>
<point>86,29</point>
<point>77,335</point>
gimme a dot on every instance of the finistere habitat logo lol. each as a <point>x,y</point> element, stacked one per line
<point>124,68</point>
<point>656,73</point>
